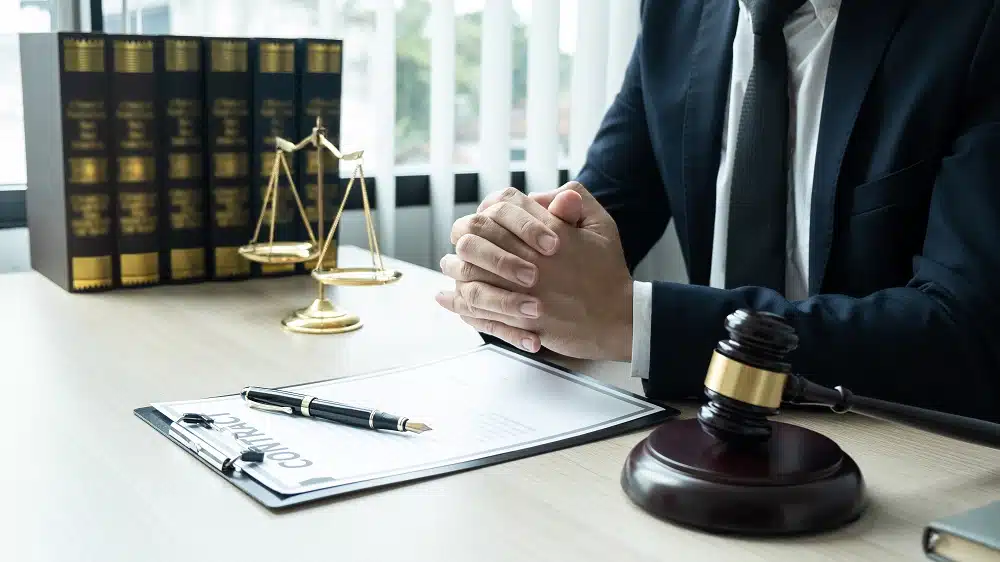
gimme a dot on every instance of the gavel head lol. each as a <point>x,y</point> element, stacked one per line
<point>746,377</point>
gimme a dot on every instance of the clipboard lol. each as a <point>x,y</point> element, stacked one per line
<point>275,500</point>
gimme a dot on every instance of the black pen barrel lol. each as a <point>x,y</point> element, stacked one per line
<point>272,397</point>
<point>363,417</point>
<point>301,404</point>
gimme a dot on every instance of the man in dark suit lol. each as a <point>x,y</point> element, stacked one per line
<point>837,163</point>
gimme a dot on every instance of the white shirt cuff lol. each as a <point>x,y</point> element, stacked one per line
<point>642,304</point>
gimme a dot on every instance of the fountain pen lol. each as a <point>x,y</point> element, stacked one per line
<point>312,407</point>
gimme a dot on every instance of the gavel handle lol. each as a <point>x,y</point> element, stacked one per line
<point>799,390</point>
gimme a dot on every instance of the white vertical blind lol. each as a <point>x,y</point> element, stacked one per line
<point>589,85</point>
<point>384,150</point>
<point>64,15</point>
<point>542,104</point>
<point>495,97</point>
<point>442,134</point>
<point>623,28</point>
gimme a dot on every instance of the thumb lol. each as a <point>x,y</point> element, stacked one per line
<point>568,206</point>
<point>592,213</point>
<point>544,198</point>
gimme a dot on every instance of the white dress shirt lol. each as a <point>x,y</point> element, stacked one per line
<point>808,36</point>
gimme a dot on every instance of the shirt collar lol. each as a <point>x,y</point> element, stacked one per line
<point>826,11</point>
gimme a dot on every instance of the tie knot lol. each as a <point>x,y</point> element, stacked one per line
<point>768,16</point>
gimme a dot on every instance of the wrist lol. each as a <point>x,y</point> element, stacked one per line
<point>622,333</point>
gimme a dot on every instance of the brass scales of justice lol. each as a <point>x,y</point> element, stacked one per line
<point>322,316</point>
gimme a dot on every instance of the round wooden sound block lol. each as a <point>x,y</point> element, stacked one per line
<point>796,482</point>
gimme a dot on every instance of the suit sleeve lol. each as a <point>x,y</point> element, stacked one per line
<point>932,343</point>
<point>620,169</point>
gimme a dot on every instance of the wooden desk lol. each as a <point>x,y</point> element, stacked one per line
<point>87,480</point>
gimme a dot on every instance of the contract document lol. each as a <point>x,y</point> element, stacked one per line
<point>484,406</point>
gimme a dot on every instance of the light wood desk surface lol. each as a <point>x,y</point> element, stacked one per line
<point>87,480</point>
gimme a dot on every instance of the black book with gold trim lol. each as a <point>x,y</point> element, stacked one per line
<point>135,143</point>
<point>274,115</point>
<point>181,159</point>
<point>319,64</point>
<point>70,197</point>
<point>228,83</point>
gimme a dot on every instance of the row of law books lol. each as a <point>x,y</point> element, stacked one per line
<point>148,156</point>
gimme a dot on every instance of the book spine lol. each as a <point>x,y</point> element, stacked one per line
<point>227,126</point>
<point>182,159</point>
<point>90,209</point>
<point>274,115</point>
<point>135,144</point>
<point>319,75</point>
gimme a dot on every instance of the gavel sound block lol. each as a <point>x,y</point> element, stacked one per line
<point>731,470</point>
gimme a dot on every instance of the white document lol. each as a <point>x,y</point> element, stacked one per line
<point>481,403</point>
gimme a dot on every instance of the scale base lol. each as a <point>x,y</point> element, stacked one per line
<point>797,482</point>
<point>321,317</point>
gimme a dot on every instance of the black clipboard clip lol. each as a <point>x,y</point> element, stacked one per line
<point>223,459</point>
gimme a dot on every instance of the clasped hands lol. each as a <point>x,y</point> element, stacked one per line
<point>544,269</point>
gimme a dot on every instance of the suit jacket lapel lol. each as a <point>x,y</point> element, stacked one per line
<point>862,35</point>
<point>704,112</point>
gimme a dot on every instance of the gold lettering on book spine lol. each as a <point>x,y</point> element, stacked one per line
<point>232,207</point>
<point>83,55</point>
<point>229,262</point>
<point>185,209</point>
<point>136,169</point>
<point>277,58</point>
<point>231,165</point>
<point>91,217</point>
<point>88,170</point>
<point>187,263</point>
<point>140,269</point>
<point>228,55</point>
<point>312,167</point>
<point>91,272</point>
<point>266,163</point>
<point>182,55</point>
<point>137,213</point>
<point>323,58</point>
<point>184,166</point>
<point>133,56</point>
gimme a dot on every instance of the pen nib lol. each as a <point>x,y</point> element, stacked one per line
<point>417,427</point>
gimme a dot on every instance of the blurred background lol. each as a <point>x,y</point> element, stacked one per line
<point>450,99</point>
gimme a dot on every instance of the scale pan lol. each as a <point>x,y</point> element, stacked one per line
<point>357,276</point>
<point>279,252</point>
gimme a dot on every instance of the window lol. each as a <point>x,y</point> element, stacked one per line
<point>351,20</point>
<point>567,47</point>
<point>354,21</point>
<point>16,17</point>
<point>413,78</point>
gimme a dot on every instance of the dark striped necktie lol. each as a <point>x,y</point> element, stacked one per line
<point>755,251</point>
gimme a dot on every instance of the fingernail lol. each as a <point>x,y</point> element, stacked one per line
<point>526,276</point>
<point>547,242</point>
<point>528,344</point>
<point>530,309</point>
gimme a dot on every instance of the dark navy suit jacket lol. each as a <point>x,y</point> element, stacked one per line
<point>904,259</point>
